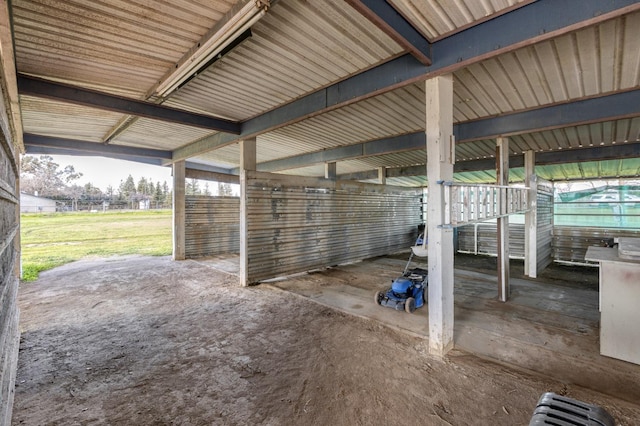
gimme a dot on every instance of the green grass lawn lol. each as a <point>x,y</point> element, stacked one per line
<point>50,240</point>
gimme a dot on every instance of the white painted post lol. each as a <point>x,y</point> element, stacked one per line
<point>439,132</point>
<point>531,217</point>
<point>247,163</point>
<point>179,210</point>
<point>502,175</point>
<point>330,171</point>
<point>382,175</point>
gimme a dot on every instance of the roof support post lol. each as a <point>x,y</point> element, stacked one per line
<point>502,175</point>
<point>247,163</point>
<point>179,204</point>
<point>439,133</point>
<point>330,170</point>
<point>382,175</point>
<point>531,217</point>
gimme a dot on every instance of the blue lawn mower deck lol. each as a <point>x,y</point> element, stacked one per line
<point>406,292</point>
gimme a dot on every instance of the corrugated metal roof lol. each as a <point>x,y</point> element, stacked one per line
<point>158,134</point>
<point>393,113</point>
<point>435,18</point>
<point>593,61</point>
<point>124,47</point>
<point>227,157</point>
<point>588,135</point>
<point>59,119</point>
<point>108,44</point>
<point>606,169</point>
<point>298,47</point>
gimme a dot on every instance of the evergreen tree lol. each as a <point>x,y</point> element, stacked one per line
<point>158,195</point>
<point>168,195</point>
<point>224,189</point>
<point>109,193</point>
<point>192,187</point>
<point>128,190</point>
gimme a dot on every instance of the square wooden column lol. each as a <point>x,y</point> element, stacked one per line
<point>247,163</point>
<point>502,175</point>
<point>439,132</point>
<point>382,175</point>
<point>531,217</point>
<point>330,171</point>
<point>179,210</point>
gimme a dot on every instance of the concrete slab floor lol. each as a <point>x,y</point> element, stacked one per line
<point>544,327</point>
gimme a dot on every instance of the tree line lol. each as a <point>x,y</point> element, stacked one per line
<point>43,177</point>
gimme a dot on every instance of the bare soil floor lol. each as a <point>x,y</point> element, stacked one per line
<point>143,341</point>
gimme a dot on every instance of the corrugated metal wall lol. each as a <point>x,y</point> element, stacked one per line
<point>487,239</point>
<point>297,224</point>
<point>570,243</point>
<point>211,225</point>
<point>545,224</point>
<point>9,261</point>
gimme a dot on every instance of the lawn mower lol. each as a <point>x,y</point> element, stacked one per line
<point>407,291</point>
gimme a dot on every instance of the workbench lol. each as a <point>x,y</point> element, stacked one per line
<point>619,298</point>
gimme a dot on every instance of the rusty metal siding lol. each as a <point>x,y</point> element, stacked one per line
<point>297,224</point>
<point>212,225</point>
<point>9,261</point>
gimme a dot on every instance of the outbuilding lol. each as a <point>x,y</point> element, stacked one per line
<point>35,204</point>
<point>333,117</point>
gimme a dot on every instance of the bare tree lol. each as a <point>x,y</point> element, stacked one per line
<point>44,177</point>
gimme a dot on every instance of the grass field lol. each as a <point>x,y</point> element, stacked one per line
<point>50,240</point>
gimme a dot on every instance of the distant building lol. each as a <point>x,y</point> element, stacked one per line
<point>33,204</point>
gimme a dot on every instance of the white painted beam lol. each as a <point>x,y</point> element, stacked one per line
<point>502,175</point>
<point>439,132</point>
<point>247,163</point>
<point>179,210</point>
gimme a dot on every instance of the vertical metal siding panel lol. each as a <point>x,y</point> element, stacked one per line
<point>570,243</point>
<point>295,227</point>
<point>545,225</point>
<point>212,225</point>
<point>487,239</point>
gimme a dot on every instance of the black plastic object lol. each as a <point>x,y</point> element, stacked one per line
<point>558,410</point>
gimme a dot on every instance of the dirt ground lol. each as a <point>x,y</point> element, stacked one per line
<point>148,341</point>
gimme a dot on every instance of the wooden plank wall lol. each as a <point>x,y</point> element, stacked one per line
<point>211,225</point>
<point>9,270</point>
<point>297,224</point>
